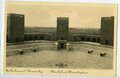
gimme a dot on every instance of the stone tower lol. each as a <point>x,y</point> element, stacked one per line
<point>62,28</point>
<point>62,32</point>
<point>15,28</point>
<point>107,30</point>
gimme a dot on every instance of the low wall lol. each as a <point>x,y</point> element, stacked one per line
<point>74,47</point>
<point>29,50</point>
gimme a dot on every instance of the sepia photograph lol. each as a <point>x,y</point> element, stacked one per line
<point>60,35</point>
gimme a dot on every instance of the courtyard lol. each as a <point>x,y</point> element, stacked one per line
<point>47,57</point>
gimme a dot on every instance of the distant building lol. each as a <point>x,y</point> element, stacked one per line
<point>107,30</point>
<point>15,28</point>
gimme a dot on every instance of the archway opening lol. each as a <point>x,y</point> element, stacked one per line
<point>98,40</point>
<point>30,37</point>
<point>88,39</point>
<point>106,42</point>
<point>83,38</point>
<point>62,38</point>
<point>93,40</point>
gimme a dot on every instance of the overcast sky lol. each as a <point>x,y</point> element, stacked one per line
<point>45,14</point>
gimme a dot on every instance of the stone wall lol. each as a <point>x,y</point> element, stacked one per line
<point>52,37</point>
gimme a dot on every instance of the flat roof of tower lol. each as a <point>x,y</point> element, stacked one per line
<point>15,14</point>
<point>108,18</point>
<point>62,18</point>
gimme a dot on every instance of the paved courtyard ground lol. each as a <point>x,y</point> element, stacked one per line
<point>78,57</point>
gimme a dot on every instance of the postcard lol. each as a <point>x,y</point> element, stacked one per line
<point>55,38</point>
